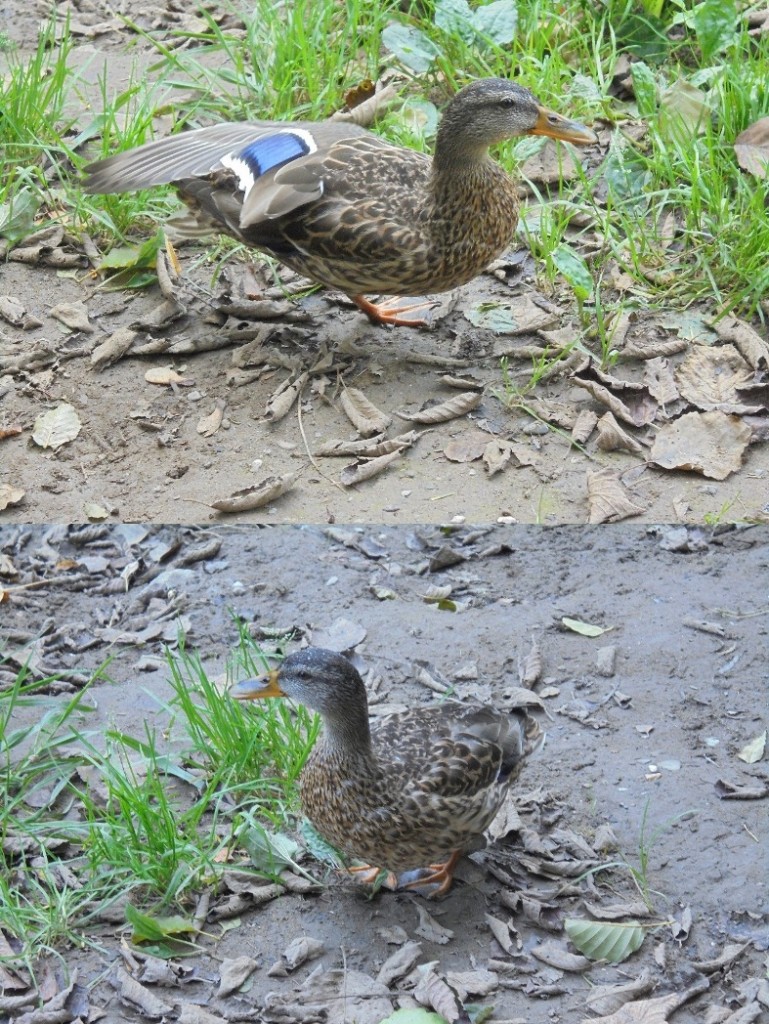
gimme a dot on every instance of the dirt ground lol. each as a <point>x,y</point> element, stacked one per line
<point>160,452</point>
<point>647,718</point>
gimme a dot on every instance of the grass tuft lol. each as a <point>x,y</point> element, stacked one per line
<point>90,819</point>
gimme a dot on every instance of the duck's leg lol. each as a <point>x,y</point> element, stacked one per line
<point>442,876</point>
<point>368,875</point>
<point>383,314</point>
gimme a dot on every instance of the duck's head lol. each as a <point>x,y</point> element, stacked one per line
<point>322,680</point>
<point>492,109</point>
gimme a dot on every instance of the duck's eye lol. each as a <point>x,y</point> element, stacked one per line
<point>507,102</point>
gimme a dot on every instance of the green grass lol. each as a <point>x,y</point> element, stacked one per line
<point>298,60</point>
<point>89,817</point>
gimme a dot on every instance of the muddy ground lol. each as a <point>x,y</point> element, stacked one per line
<point>159,452</point>
<point>647,718</point>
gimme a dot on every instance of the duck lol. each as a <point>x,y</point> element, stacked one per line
<point>410,791</point>
<point>347,209</point>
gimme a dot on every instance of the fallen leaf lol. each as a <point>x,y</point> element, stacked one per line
<point>751,147</point>
<point>601,940</point>
<point>710,378</point>
<point>608,499</point>
<point>611,436</point>
<point>746,339</point>
<point>208,425</point>
<point>651,1011</point>
<point>165,375</point>
<point>683,111</point>
<point>280,403</point>
<point>610,998</point>
<point>710,443</point>
<point>553,954</point>
<point>10,495</point>
<point>467,448</point>
<point>364,469</point>
<point>95,512</point>
<point>429,928</point>
<point>267,490</point>
<point>73,315</point>
<point>585,628</point>
<point>362,413</point>
<point>449,410</point>
<point>56,427</point>
<point>629,401</point>
<point>370,447</point>
<point>754,750</point>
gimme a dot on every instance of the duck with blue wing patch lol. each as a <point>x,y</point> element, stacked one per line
<point>347,209</point>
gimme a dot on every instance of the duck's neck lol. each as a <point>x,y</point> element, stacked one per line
<point>347,733</point>
<point>450,156</point>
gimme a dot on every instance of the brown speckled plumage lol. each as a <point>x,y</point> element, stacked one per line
<point>356,213</point>
<point>406,790</point>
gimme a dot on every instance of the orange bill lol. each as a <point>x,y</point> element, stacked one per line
<point>255,689</point>
<point>558,127</point>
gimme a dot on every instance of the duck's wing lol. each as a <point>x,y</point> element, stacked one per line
<point>273,166</point>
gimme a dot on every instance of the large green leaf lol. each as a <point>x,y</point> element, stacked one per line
<point>410,46</point>
<point>497,21</point>
<point>605,940</point>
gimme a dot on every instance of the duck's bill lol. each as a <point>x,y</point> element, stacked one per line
<point>558,127</point>
<point>255,689</point>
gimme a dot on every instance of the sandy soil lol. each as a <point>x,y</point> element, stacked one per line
<point>646,719</point>
<point>150,452</point>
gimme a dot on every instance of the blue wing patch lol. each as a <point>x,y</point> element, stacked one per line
<point>273,151</point>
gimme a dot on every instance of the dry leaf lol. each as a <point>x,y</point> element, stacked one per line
<point>95,512</point>
<point>208,425</point>
<point>754,751</point>
<point>683,110</point>
<point>369,448</point>
<point>399,963</point>
<point>747,340</point>
<point>628,401</point>
<point>651,1011</point>
<point>611,436</point>
<point>10,495</point>
<point>584,628</point>
<point>505,934</point>
<point>449,410</point>
<point>659,379</point>
<point>608,499</point>
<point>472,983</point>
<point>165,375</point>
<point>610,998</point>
<point>530,669</point>
<point>553,954</point>
<point>363,414</point>
<point>280,403</point>
<point>56,427</point>
<point>434,992</point>
<point>584,426</point>
<point>429,928</point>
<point>366,111</point>
<point>711,443</point>
<point>467,448</point>
<point>234,973</point>
<point>267,490</point>
<point>357,472</point>
<point>73,315</point>
<point>709,378</point>
<point>113,348</point>
<point>751,147</point>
